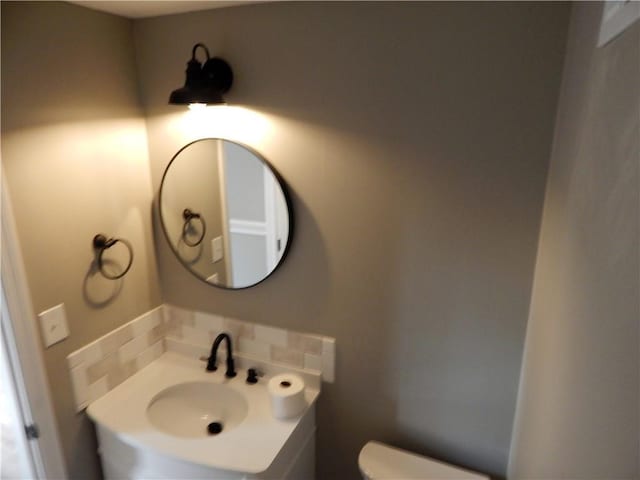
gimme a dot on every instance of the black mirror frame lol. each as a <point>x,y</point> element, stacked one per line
<point>287,199</point>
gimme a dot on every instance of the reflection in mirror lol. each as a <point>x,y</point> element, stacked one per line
<point>224,213</point>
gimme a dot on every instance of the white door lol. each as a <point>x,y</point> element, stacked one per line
<point>16,458</point>
<point>244,178</point>
<point>255,216</point>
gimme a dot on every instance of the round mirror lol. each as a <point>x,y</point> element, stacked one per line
<point>225,213</point>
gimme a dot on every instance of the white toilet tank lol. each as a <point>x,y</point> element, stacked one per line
<point>378,461</point>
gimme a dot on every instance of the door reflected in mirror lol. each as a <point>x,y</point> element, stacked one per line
<point>224,213</point>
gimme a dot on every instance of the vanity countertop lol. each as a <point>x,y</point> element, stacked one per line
<point>249,447</point>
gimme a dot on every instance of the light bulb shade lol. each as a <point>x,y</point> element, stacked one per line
<point>187,96</point>
<point>204,84</point>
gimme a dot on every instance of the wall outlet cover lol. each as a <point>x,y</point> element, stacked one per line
<point>54,325</point>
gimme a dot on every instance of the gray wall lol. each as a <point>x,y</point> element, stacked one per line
<point>415,139</point>
<point>75,156</point>
<point>579,398</point>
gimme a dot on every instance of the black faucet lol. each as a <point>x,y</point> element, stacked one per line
<point>211,362</point>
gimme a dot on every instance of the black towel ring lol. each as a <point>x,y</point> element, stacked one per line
<point>102,243</point>
<point>188,215</point>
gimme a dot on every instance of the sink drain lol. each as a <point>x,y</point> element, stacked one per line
<point>214,428</point>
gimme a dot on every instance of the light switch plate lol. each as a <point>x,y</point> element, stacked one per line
<point>54,325</point>
<point>216,249</point>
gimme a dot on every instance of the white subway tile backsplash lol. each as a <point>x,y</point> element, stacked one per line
<point>120,373</point>
<point>208,322</point>
<point>100,369</point>
<point>252,348</point>
<point>304,343</point>
<point>114,357</point>
<point>108,361</point>
<point>328,359</point>
<point>185,317</point>
<point>147,321</point>
<point>130,350</point>
<point>149,354</point>
<point>195,336</point>
<point>156,316</point>
<point>156,333</point>
<point>98,389</point>
<point>89,354</point>
<point>173,329</point>
<point>239,328</point>
<point>142,326</point>
<point>165,313</point>
<point>80,386</point>
<point>111,342</point>
<point>186,349</point>
<point>75,359</point>
<point>312,362</point>
<point>273,336</point>
<point>287,356</point>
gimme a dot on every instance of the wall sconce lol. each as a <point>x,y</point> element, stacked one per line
<point>206,83</point>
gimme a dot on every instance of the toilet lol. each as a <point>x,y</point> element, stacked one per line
<point>378,461</point>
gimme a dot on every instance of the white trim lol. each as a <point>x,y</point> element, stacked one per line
<point>15,398</point>
<point>226,234</point>
<point>617,16</point>
<point>270,217</point>
<point>247,227</point>
<point>20,318</point>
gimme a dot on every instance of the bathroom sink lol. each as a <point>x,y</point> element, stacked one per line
<point>156,423</point>
<point>190,409</point>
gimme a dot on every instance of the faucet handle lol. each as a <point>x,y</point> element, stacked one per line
<point>253,374</point>
<point>211,364</point>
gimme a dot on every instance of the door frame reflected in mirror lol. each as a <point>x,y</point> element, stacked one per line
<point>229,227</point>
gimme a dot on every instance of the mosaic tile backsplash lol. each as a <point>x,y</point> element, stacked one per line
<point>105,363</point>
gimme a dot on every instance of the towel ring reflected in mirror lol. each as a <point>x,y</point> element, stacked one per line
<point>188,216</point>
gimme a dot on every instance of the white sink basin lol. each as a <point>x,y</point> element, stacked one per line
<point>187,409</point>
<point>154,425</point>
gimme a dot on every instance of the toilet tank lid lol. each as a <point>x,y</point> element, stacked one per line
<point>378,461</point>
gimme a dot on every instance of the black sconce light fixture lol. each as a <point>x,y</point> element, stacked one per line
<point>206,83</point>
